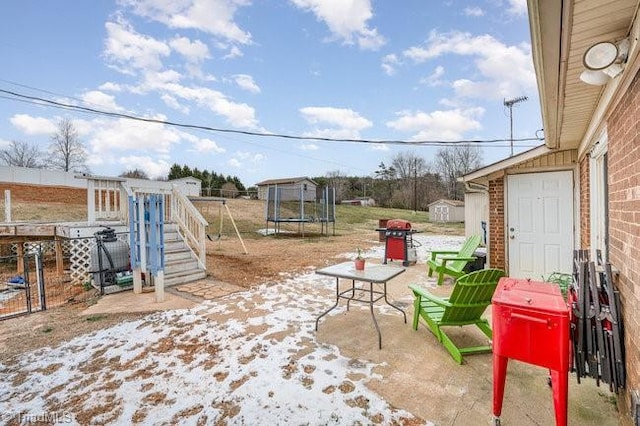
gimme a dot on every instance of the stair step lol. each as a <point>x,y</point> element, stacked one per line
<point>179,265</point>
<point>184,277</point>
<point>176,255</point>
<point>173,246</point>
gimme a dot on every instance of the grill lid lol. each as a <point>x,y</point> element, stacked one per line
<point>398,224</point>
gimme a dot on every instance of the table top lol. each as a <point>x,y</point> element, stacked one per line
<point>371,273</point>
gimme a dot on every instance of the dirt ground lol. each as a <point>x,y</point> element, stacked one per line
<point>268,260</point>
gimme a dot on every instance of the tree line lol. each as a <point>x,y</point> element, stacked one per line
<point>410,181</point>
<point>213,184</point>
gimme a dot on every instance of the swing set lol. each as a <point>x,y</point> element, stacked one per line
<point>218,237</point>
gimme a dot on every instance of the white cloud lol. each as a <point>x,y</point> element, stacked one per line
<point>154,168</point>
<point>207,145</point>
<point>193,51</point>
<point>309,147</point>
<point>345,123</point>
<point>110,86</point>
<point>215,17</point>
<point>518,7</point>
<point>234,52</point>
<point>346,19</point>
<point>34,125</point>
<point>380,147</point>
<point>438,125</point>
<point>235,163</point>
<point>246,160</point>
<point>389,63</point>
<point>172,102</point>
<point>96,98</point>
<point>129,51</point>
<point>504,70</point>
<point>474,11</point>
<point>435,78</point>
<point>237,114</point>
<point>246,82</point>
<point>111,137</point>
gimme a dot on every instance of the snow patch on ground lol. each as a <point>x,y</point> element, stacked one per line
<point>247,358</point>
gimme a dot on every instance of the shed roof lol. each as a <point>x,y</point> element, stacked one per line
<point>455,203</point>
<point>285,181</point>
<point>505,163</point>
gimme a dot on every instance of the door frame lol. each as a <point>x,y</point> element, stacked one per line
<point>575,220</point>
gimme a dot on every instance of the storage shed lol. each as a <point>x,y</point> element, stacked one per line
<point>291,189</point>
<point>446,211</point>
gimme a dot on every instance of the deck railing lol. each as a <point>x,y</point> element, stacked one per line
<point>107,199</point>
<point>191,225</point>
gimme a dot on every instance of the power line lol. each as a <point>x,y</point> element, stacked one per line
<point>11,95</point>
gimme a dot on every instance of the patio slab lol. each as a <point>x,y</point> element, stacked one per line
<point>413,370</point>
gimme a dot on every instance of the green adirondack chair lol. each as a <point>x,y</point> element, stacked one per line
<point>451,262</point>
<point>469,299</point>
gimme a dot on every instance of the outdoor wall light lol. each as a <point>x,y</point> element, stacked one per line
<point>604,61</point>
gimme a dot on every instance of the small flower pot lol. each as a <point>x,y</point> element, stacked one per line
<point>359,264</point>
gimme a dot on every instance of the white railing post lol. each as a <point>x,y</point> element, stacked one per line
<point>7,205</point>
<point>191,225</point>
<point>91,201</point>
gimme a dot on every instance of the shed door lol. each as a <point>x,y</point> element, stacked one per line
<point>442,213</point>
<point>540,224</point>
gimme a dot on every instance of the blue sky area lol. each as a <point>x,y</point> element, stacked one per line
<point>410,70</point>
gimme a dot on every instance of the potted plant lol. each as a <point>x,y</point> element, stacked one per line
<point>359,262</point>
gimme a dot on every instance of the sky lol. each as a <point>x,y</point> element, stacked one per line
<point>371,70</point>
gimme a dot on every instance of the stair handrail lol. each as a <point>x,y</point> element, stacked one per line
<point>191,225</point>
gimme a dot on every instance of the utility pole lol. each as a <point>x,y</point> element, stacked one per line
<point>509,104</point>
<point>415,185</point>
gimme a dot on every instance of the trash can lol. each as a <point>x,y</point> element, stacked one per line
<point>478,264</point>
<point>531,324</point>
<point>382,224</point>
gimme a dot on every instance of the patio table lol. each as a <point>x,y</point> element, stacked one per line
<point>376,276</point>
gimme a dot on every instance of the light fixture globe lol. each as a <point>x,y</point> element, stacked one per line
<point>594,78</point>
<point>600,56</point>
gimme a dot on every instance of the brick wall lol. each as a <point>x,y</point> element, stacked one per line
<point>624,224</point>
<point>497,257</point>
<point>44,194</point>
<point>585,218</point>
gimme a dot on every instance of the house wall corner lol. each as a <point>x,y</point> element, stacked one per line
<point>496,243</point>
<point>585,203</point>
<point>624,228</point>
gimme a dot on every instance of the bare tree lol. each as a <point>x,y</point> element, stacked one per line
<point>21,154</point>
<point>336,179</point>
<point>135,174</point>
<point>67,151</point>
<point>408,165</point>
<point>453,162</point>
<point>229,190</point>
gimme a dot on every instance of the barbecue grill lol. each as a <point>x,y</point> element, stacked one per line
<point>399,245</point>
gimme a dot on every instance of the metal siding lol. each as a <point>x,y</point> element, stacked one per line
<point>476,210</point>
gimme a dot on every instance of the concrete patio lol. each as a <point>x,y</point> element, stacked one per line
<point>412,371</point>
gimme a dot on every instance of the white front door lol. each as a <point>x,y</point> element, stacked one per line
<point>540,224</point>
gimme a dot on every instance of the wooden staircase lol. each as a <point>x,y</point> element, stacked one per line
<point>185,250</point>
<point>181,265</point>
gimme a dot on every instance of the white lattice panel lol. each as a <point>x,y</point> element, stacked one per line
<point>80,259</point>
